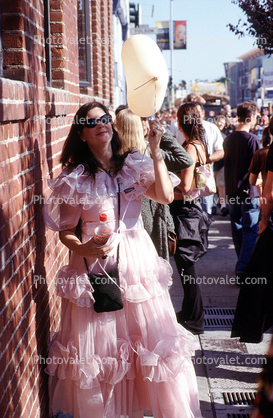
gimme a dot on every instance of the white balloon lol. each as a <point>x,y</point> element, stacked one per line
<point>146,75</point>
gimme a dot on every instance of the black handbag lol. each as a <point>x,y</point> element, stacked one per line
<point>107,293</point>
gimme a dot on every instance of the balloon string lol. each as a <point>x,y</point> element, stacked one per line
<point>155,98</point>
<point>154,78</point>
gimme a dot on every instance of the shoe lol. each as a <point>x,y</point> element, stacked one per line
<point>251,339</point>
<point>224,211</point>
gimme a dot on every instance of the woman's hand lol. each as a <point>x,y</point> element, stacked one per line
<point>155,134</point>
<point>162,189</point>
<point>88,249</point>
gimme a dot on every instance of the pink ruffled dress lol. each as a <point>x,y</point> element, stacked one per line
<point>117,364</point>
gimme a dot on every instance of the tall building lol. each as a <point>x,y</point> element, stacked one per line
<point>252,78</point>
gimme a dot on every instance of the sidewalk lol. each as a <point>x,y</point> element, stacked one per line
<point>226,369</point>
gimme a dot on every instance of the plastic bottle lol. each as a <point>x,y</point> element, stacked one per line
<point>102,232</point>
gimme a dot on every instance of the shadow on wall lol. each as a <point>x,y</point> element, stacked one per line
<point>10,356</point>
<point>40,288</point>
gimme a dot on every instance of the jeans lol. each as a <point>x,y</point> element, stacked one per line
<point>244,217</point>
<point>207,203</point>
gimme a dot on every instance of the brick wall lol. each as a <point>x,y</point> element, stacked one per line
<point>34,121</point>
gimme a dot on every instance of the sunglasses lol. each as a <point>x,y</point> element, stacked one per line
<point>92,123</point>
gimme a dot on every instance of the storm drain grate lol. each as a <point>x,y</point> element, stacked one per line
<point>239,398</point>
<point>218,317</point>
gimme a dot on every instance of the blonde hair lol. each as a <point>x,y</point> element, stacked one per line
<point>130,130</point>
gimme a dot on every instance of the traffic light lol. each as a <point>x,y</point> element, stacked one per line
<point>170,83</point>
<point>134,14</point>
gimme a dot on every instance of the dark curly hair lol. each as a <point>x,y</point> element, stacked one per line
<point>76,152</point>
<point>190,120</point>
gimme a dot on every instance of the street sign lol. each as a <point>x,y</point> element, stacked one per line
<point>144,31</point>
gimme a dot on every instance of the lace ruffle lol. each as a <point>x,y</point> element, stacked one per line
<point>78,290</point>
<point>153,284</point>
<point>87,372</point>
<point>170,357</point>
<point>77,189</point>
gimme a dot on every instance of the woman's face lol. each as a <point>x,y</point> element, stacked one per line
<point>221,122</point>
<point>145,125</point>
<point>98,137</point>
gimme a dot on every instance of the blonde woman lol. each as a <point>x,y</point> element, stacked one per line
<point>157,218</point>
<point>130,130</point>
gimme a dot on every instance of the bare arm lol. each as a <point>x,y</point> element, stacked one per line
<point>187,174</point>
<point>266,203</point>
<point>253,179</point>
<point>256,180</point>
<point>216,156</point>
<point>89,249</point>
<point>162,189</point>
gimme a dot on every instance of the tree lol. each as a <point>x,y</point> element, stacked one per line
<point>225,80</point>
<point>259,22</point>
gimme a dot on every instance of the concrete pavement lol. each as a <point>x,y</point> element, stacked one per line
<point>226,369</point>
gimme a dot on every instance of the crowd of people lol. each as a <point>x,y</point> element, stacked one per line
<point>139,172</point>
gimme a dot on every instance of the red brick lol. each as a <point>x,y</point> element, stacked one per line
<point>12,22</point>
<point>13,40</point>
<point>56,16</point>
<point>16,73</point>
<point>56,4</point>
<point>12,7</point>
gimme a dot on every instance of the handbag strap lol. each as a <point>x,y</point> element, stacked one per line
<point>200,159</point>
<point>118,229</point>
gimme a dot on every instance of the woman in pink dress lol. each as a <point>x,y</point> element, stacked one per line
<point>115,364</point>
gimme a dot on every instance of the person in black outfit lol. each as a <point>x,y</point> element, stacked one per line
<point>191,222</point>
<point>243,198</point>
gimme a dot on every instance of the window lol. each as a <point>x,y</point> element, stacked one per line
<point>84,42</point>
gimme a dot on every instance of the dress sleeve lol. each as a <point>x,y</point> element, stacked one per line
<point>62,209</point>
<point>138,175</point>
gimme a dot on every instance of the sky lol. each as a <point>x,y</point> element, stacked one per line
<point>210,43</point>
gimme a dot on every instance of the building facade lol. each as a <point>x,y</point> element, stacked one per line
<point>252,78</point>
<point>55,55</point>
